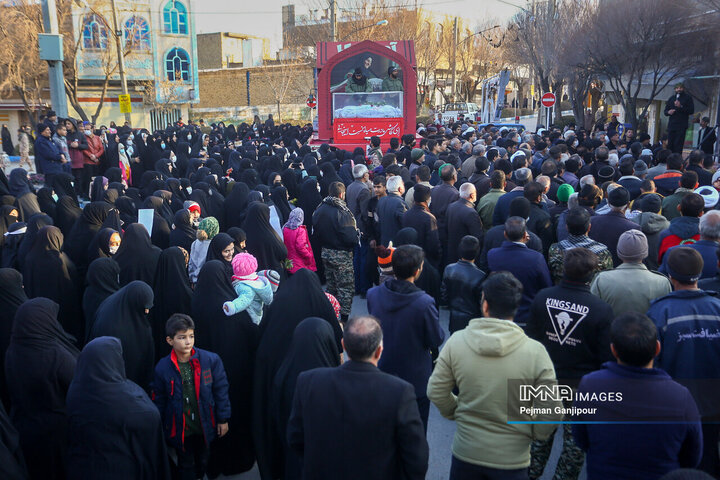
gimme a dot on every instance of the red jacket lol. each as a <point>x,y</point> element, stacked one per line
<point>299,250</point>
<point>95,147</point>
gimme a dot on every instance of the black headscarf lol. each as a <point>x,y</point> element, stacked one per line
<point>11,245</point>
<point>137,256</point>
<point>236,205</point>
<point>25,198</point>
<point>166,210</point>
<point>63,185</point>
<point>19,184</point>
<point>234,339</point>
<point>97,189</point>
<point>312,346</point>
<point>34,224</point>
<point>217,245</point>
<point>100,245</point>
<point>46,261</point>
<point>183,235</point>
<point>279,197</point>
<point>290,181</point>
<point>172,295</point>
<point>309,199</point>
<point>178,195</point>
<point>39,367</point>
<point>12,295</point>
<point>115,429</point>
<point>263,241</point>
<point>128,210</point>
<point>7,144</point>
<point>67,212</point>
<point>122,315</point>
<point>329,175</point>
<point>46,202</point>
<point>6,220</point>
<point>111,195</point>
<point>12,462</point>
<point>103,279</point>
<point>239,236</point>
<point>299,297</point>
<point>160,229</point>
<point>82,233</point>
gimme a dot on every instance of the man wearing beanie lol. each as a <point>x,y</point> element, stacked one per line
<point>687,320</point>
<point>392,82</point>
<point>607,228</point>
<point>574,326</point>
<point>621,287</point>
<point>417,155</point>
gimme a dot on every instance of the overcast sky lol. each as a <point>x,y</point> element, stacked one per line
<point>263,18</point>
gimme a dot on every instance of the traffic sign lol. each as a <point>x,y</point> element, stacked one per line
<point>125,105</point>
<point>548,99</point>
<point>311,101</point>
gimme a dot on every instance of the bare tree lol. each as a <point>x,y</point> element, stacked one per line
<point>288,82</point>
<point>163,95</point>
<point>638,59</point>
<point>22,73</point>
<point>537,42</point>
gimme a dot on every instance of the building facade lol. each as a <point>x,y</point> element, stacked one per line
<point>160,52</point>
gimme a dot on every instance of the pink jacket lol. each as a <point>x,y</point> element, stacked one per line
<point>299,250</point>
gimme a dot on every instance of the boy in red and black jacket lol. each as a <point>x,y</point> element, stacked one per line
<point>190,389</point>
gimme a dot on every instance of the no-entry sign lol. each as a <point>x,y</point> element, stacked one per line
<point>311,101</point>
<point>548,99</point>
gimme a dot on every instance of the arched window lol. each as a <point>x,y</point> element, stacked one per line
<point>95,32</point>
<point>177,65</point>
<point>175,18</point>
<point>136,33</point>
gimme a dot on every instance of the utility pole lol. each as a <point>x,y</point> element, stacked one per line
<point>55,68</point>
<point>121,56</point>
<point>333,20</point>
<point>454,56</point>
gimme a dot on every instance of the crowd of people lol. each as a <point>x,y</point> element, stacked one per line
<point>221,334</point>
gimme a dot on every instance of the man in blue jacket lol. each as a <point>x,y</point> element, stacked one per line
<point>527,265</point>
<point>688,323</point>
<point>48,157</point>
<point>410,323</point>
<point>647,425</point>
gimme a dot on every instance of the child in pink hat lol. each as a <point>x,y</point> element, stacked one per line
<point>254,289</point>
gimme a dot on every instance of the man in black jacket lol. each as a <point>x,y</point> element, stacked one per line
<point>462,220</point>
<point>678,108</point>
<point>354,421</point>
<point>539,221</point>
<point>334,226</point>
<point>706,137</point>
<point>442,196</point>
<point>462,285</point>
<point>574,326</point>
<point>424,223</point>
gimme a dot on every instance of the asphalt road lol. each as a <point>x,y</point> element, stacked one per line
<point>440,431</point>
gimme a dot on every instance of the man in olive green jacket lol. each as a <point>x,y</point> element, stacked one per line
<point>488,361</point>
<point>358,83</point>
<point>392,83</point>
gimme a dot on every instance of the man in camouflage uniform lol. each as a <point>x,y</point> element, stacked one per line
<point>334,226</point>
<point>578,225</point>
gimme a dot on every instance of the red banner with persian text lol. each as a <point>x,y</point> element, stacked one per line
<point>350,130</point>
